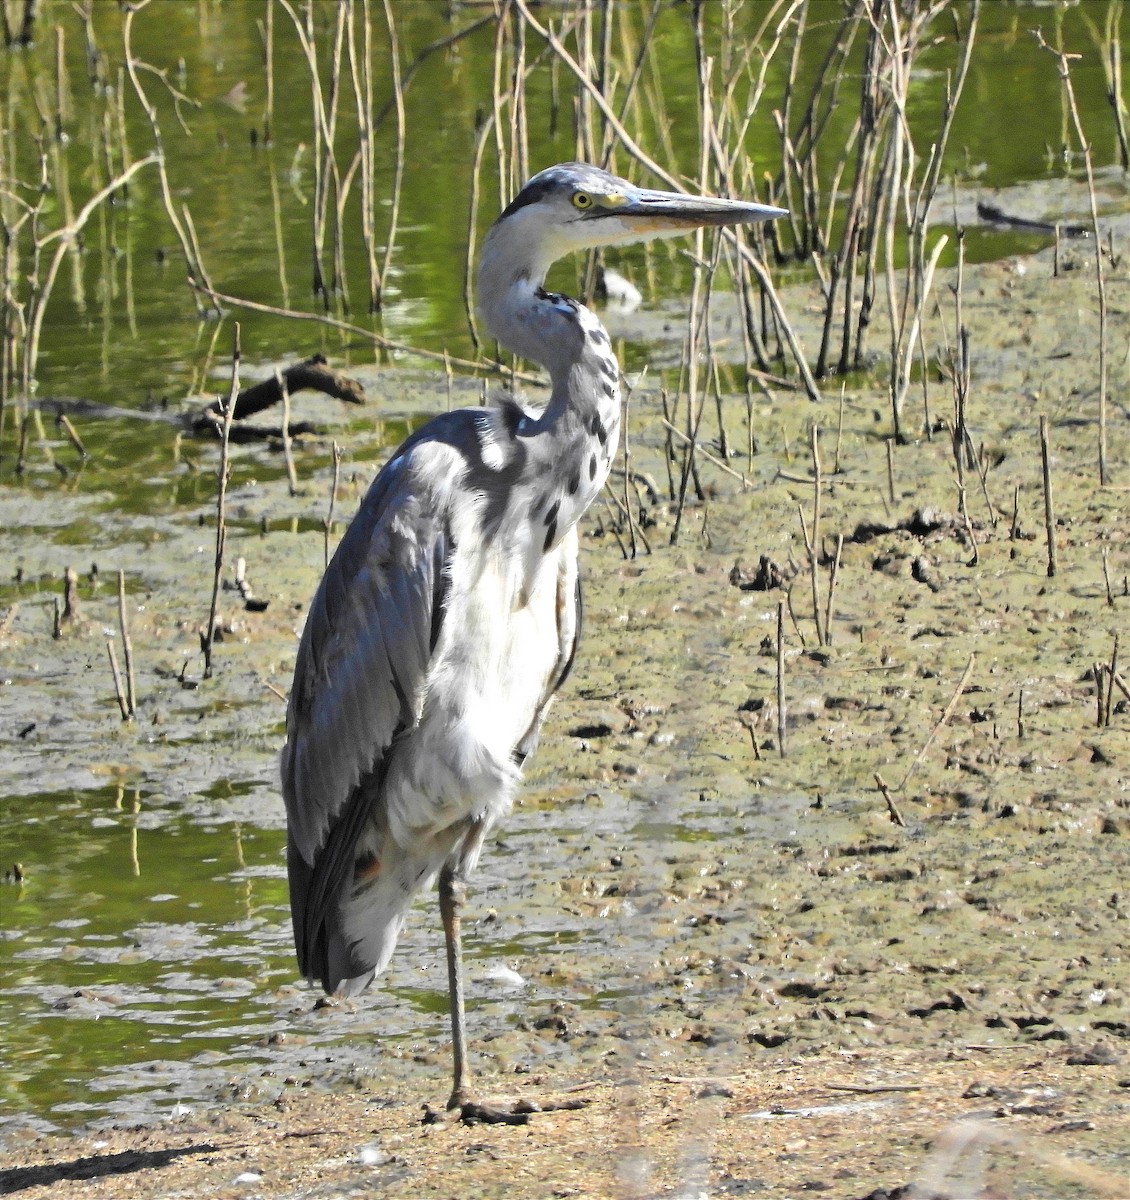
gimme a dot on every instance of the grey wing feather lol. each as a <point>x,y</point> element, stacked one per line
<point>359,677</point>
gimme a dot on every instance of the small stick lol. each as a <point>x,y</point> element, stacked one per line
<point>119,692</point>
<point>70,595</point>
<point>209,636</point>
<point>1049,505</point>
<point>1014,528</point>
<point>625,443</point>
<point>288,455</point>
<point>21,453</point>
<point>792,617</point>
<point>813,546</point>
<point>833,577</point>
<point>781,677</point>
<point>333,500</point>
<point>753,739</point>
<point>891,469</point>
<point>1111,673</point>
<point>892,807</point>
<point>72,434</point>
<point>944,718</point>
<point>1099,671</point>
<point>705,453</point>
<point>127,646</point>
<point>1020,714</point>
<point>1106,577</point>
<point>839,430</point>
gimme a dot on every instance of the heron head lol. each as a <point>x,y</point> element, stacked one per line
<point>574,206</point>
<point>569,207</point>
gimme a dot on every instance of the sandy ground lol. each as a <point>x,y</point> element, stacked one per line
<point>958,1123</point>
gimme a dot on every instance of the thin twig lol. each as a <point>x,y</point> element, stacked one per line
<point>942,720</point>
<point>1049,504</point>
<point>705,453</point>
<point>209,637</point>
<point>832,580</point>
<point>781,677</point>
<point>892,807</point>
<point>333,501</point>
<point>814,544</point>
<point>119,691</point>
<point>127,646</point>
<point>288,454</point>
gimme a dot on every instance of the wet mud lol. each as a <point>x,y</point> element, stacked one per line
<point>769,977</point>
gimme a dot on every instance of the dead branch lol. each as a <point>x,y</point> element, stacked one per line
<point>312,374</point>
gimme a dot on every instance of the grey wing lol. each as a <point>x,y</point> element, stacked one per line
<point>358,682</point>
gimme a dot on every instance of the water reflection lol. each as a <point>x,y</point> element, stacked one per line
<point>148,956</point>
<point>136,934</point>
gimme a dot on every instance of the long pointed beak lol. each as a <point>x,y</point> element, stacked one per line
<point>654,212</point>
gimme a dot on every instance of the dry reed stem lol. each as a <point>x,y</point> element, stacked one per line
<point>119,691</point>
<point>288,453</point>
<point>905,346</point>
<point>1111,48</point>
<point>1111,674</point>
<point>401,135</point>
<point>209,637</point>
<point>813,543</point>
<point>269,69</point>
<point>1049,503</point>
<point>781,677</point>
<point>671,429</point>
<point>361,76</point>
<point>197,273</point>
<point>325,124</point>
<point>627,459</point>
<point>64,422</point>
<point>65,237</point>
<point>127,647</point>
<point>1062,61</point>
<point>493,366</point>
<point>832,580</point>
<point>892,807</point>
<point>946,714</point>
<point>333,502</point>
<point>71,609</point>
<point>696,319</point>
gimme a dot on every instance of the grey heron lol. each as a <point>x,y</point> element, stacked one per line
<point>449,615</point>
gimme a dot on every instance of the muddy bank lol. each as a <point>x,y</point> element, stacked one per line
<point>703,928</point>
<point>860,1125</point>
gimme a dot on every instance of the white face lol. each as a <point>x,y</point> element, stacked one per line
<point>560,226</point>
<point>577,207</point>
<point>583,208</point>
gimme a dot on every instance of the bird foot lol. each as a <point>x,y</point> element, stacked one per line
<point>473,1112</point>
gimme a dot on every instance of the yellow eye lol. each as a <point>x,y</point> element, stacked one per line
<point>582,200</point>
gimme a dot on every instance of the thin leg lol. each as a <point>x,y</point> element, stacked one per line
<point>451,891</point>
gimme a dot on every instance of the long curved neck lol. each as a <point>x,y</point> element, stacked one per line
<point>561,334</point>
<point>573,442</point>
